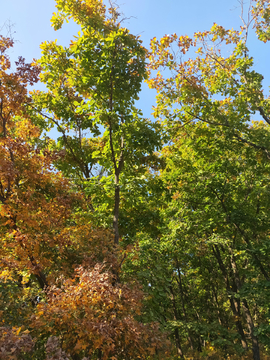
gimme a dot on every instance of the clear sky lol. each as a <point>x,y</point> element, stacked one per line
<point>148,18</point>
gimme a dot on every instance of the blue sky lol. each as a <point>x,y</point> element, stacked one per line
<point>148,18</point>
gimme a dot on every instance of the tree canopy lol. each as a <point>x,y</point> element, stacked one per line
<point>125,237</point>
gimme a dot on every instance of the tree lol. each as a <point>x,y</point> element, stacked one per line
<point>95,318</point>
<point>52,257</point>
<point>92,87</point>
<point>213,232</point>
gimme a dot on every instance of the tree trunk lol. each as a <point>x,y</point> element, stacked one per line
<point>183,306</point>
<point>116,210</point>
<point>178,344</point>
<point>250,324</point>
<point>249,320</point>
<point>235,305</point>
<point>176,332</point>
<point>118,165</point>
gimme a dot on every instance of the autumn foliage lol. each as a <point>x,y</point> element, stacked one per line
<point>60,284</point>
<point>93,315</point>
<point>126,238</point>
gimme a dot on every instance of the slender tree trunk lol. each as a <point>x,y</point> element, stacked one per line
<point>118,165</point>
<point>250,324</point>
<point>235,305</point>
<point>183,305</point>
<point>215,296</point>
<point>176,331</point>
<point>178,343</point>
<point>116,209</point>
<point>217,304</point>
<point>249,319</point>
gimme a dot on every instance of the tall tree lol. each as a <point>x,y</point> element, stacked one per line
<point>92,87</point>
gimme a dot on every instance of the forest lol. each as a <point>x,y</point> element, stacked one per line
<point>130,238</point>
